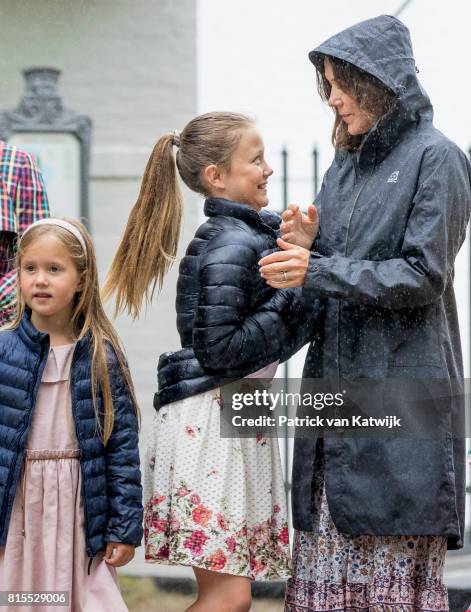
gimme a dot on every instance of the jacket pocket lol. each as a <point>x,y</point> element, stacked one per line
<point>415,338</point>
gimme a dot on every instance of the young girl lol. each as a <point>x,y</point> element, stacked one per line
<point>70,492</point>
<point>213,503</point>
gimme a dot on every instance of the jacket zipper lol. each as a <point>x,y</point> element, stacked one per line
<point>345,255</point>
<point>89,550</point>
<point>37,380</point>
<point>352,211</point>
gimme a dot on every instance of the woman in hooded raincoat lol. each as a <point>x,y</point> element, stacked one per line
<point>374,516</point>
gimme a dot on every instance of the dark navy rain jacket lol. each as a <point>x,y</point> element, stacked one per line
<point>392,221</point>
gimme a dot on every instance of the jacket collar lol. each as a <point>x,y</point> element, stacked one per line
<point>214,207</point>
<point>385,134</point>
<point>381,139</point>
<point>35,339</point>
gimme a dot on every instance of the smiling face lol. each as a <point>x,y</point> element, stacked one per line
<point>48,280</point>
<point>246,178</point>
<point>347,107</point>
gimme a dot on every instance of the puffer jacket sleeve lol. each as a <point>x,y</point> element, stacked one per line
<point>123,473</point>
<point>435,232</point>
<point>226,334</point>
<point>298,317</point>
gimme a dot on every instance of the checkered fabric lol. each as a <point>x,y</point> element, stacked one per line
<point>23,200</point>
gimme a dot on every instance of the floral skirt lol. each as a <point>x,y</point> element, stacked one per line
<point>332,571</point>
<point>210,502</point>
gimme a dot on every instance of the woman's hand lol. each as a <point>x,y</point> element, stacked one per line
<point>299,228</point>
<point>118,554</point>
<point>286,268</point>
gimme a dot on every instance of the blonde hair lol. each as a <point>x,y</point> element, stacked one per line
<point>88,317</point>
<point>150,240</point>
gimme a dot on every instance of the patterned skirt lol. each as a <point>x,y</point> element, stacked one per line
<point>334,572</point>
<point>210,502</point>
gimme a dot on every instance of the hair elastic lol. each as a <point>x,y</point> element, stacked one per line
<point>60,223</point>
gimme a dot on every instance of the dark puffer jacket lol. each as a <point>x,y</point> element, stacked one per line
<point>231,323</point>
<point>111,479</point>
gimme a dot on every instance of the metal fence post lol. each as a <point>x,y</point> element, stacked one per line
<point>467,398</point>
<point>315,167</point>
<point>284,159</point>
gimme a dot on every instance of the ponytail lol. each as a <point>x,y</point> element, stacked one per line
<point>150,241</point>
<point>149,244</point>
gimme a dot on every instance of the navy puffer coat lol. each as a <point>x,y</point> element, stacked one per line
<point>231,323</point>
<point>111,479</point>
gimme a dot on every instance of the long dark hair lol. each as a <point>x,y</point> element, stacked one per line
<point>373,97</point>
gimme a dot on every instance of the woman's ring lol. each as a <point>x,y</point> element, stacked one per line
<point>285,278</point>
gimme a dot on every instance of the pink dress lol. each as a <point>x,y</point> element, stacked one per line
<point>45,548</point>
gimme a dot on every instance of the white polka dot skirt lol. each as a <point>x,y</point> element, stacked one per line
<point>211,502</point>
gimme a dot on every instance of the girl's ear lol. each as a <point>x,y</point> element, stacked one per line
<point>214,177</point>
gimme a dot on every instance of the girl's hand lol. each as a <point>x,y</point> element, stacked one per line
<point>286,268</point>
<point>118,554</point>
<point>299,228</point>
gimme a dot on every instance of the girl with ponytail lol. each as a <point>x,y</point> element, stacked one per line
<point>216,504</point>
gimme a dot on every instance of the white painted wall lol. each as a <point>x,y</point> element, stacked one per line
<point>130,66</point>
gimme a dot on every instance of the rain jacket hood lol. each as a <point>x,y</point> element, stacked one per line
<point>382,47</point>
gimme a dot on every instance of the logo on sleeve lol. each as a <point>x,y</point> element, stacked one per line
<point>394,176</point>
